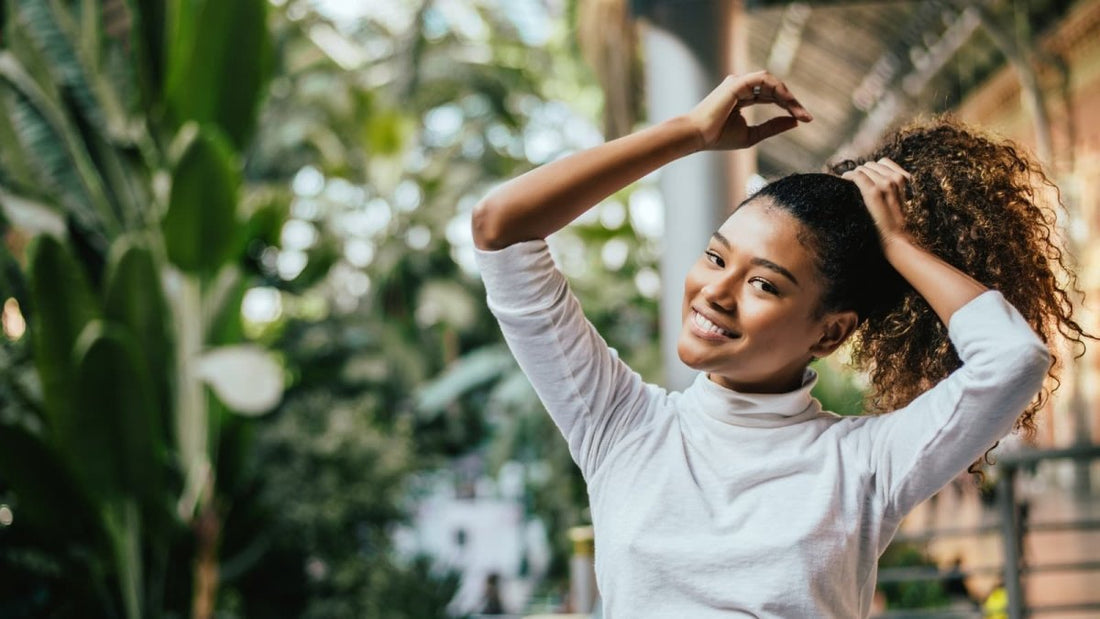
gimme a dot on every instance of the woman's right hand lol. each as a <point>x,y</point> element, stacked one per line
<point>718,117</point>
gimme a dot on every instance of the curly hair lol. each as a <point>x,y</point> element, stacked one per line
<point>975,201</point>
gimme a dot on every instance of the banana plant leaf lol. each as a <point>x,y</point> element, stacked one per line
<point>62,306</point>
<point>115,437</point>
<point>134,298</point>
<point>201,230</point>
<point>218,66</point>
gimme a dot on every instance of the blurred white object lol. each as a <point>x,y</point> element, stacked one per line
<point>246,378</point>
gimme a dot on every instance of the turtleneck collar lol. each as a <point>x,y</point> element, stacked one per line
<point>757,410</point>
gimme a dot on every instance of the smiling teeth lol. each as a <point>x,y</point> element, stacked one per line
<point>708,326</point>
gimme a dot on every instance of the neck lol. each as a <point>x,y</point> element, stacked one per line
<point>782,382</point>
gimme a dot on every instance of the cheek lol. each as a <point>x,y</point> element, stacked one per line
<point>692,286</point>
<point>778,327</point>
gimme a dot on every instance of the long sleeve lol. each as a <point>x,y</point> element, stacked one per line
<point>593,397</point>
<point>916,450</point>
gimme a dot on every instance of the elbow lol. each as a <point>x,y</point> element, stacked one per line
<point>1016,364</point>
<point>1039,358</point>
<point>485,226</point>
<point>1032,362</point>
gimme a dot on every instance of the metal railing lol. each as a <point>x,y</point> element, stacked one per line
<point>1012,526</point>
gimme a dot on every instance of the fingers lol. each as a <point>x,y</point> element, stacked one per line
<point>882,184</point>
<point>884,174</point>
<point>763,87</point>
<point>890,163</point>
<point>770,127</point>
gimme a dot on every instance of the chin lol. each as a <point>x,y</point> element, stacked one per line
<point>689,354</point>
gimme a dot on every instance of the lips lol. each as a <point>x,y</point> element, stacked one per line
<point>703,326</point>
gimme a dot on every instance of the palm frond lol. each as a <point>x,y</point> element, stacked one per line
<point>42,26</point>
<point>47,135</point>
<point>35,162</point>
<point>89,76</point>
<point>102,65</point>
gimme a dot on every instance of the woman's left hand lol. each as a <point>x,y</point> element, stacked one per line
<point>882,184</point>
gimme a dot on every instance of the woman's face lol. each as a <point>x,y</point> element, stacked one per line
<point>749,316</point>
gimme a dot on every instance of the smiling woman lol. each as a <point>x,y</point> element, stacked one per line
<point>740,495</point>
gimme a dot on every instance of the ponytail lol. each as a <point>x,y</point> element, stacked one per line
<point>979,204</point>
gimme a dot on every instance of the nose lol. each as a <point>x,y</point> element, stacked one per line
<point>719,294</point>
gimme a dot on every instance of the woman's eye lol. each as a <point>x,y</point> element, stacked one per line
<point>715,259</point>
<point>764,285</point>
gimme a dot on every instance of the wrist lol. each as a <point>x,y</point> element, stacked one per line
<point>692,136</point>
<point>896,244</point>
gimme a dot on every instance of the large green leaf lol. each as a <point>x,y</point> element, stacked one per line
<point>134,297</point>
<point>62,305</point>
<point>218,65</point>
<point>115,435</point>
<point>201,230</point>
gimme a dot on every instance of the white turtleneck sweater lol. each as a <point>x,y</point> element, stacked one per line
<point>714,503</point>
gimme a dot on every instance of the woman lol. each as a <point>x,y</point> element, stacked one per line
<point>740,496</point>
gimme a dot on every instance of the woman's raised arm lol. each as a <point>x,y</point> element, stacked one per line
<point>918,448</point>
<point>544,200</point>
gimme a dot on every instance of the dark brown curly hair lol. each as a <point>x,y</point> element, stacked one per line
<point>975,201</point>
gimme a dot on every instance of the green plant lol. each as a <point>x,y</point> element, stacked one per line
<point>122,128</point>
<point>911,594</point>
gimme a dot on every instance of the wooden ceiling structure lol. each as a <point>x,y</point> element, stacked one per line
<point>862,67</point>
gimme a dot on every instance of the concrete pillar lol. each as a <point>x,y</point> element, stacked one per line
<point>684,60</point>
<point>740,164</point>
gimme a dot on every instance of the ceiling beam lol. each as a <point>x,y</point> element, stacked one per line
<point>788,38</point>
<point>901,74</point>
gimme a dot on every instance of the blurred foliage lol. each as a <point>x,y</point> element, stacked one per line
<point>912,594</point>
<point>838,389</point>
<point>386,169</point>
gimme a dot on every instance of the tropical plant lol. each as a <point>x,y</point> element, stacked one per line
<point>122,130</point>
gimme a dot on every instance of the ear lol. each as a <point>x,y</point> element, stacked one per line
<point>836,328</point>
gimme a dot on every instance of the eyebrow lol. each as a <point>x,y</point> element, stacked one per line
<point>758,261</point>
